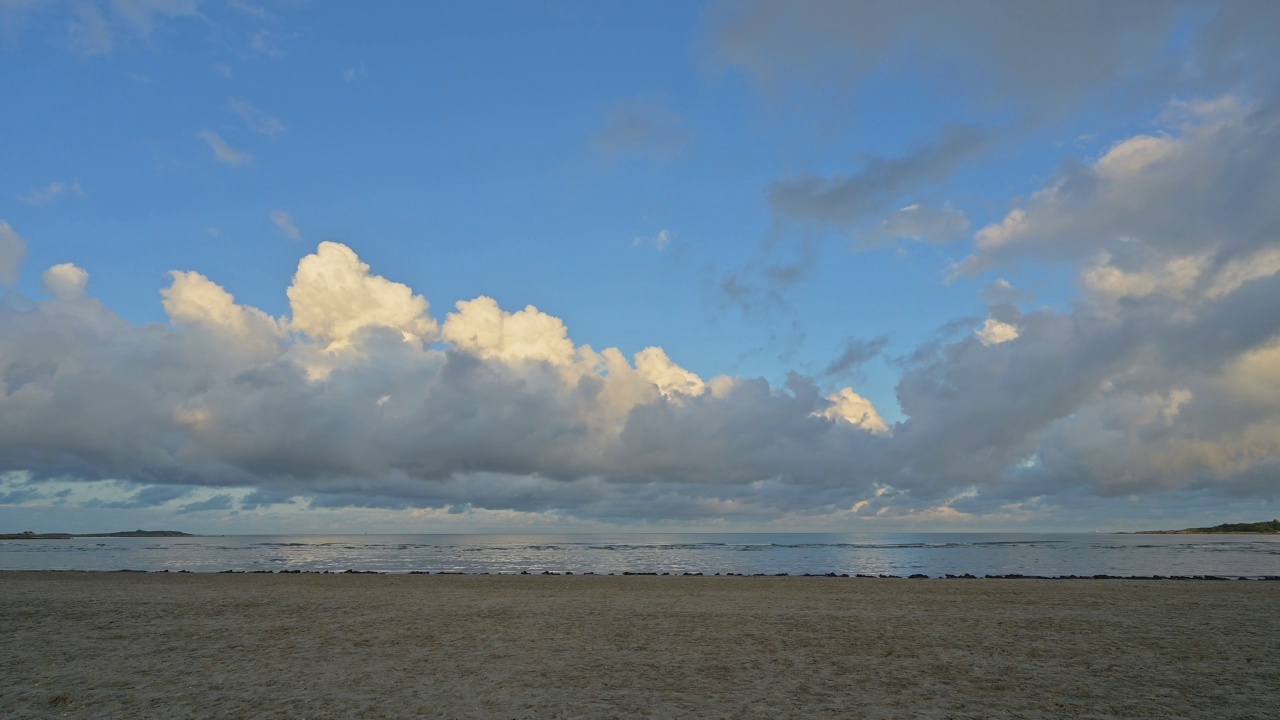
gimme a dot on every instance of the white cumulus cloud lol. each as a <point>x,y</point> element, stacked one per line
<point>335,298</point>
<point>66,282</point>
<point>994,332</point>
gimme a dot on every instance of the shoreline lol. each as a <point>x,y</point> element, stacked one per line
<point>552,573</point>
<point>945,557</point>
<point>110,644</point>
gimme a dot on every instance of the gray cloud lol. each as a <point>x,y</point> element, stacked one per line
<point>758,288</point>
<point>12,250</point>
<point>1014,68</point>
<point>856,353</point>
<point>881,182</point>
<point>149,496</point>
<point>265,498</point>
<point>1041,62</point>
<point>1207,184</point>
<point>1155,380</point>
<point>921,223</point>
<point>1237,46</point>
<point>20,496</point>
<point>225,399</point>
<point>1001,292</point>
<point>642,129</point>
<point>217,502</point>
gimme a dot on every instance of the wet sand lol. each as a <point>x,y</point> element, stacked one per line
<point>129,645</point>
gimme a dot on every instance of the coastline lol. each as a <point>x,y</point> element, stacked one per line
<point>121,534</point>
<point>1195,532</point>
<point>110,644</point>
<point>874,554</point>
<point>627,574</point>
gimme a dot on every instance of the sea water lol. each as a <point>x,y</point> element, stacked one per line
<point>932,554</point>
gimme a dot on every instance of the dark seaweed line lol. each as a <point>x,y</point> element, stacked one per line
<point>882,576</point>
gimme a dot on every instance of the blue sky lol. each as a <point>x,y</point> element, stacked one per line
<point>866,266</point>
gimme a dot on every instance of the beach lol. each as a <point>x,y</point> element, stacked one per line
<point>169,645</point>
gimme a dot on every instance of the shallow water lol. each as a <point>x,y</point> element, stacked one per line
<point>933,554</point>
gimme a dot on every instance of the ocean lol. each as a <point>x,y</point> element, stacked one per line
<point>902,554</point>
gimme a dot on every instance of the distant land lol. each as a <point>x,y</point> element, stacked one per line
<point>1257,528</point>
<point>28,535</point>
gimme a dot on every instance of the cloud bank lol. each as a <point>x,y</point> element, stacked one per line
<point>361,396</point>
<point>1160,377</point>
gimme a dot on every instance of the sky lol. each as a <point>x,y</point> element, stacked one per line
<point>304,267</point>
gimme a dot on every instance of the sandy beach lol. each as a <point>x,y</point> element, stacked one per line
<point>132,645</point>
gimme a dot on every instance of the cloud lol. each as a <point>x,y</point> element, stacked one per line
<point>51,192</point>
<point>856,353</point>
<point>284,221</point>
<point>149,496</point>
<point>66,282</point>
<point>1011,71</point>
<point>12,249</point>
<point>1038,63</point>
<point>349,400</point>
<point>923,224</point>
<point>994,332</point>
<point>1105,281</point>
<point>643,130</point>
<point>1234,274</point>
<point>658,241</point>
<point>266,42</point>
<point>20,496</point>
<point>217,502</point>
<point>335,299</point>
<point>142,14</point>
<point>840,200</point>
<point>1001,292</point>
<point>224,152</point>
<point>851,407</point>
<point>90,31</point>
<point>98,28</point>
<point>254,11</point>
<point>484,329</point>
<point>1152,381</point>
<point>264,498</point>
<point>194,302</point>
<point>1207,181</point>
<point>257,121</point>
